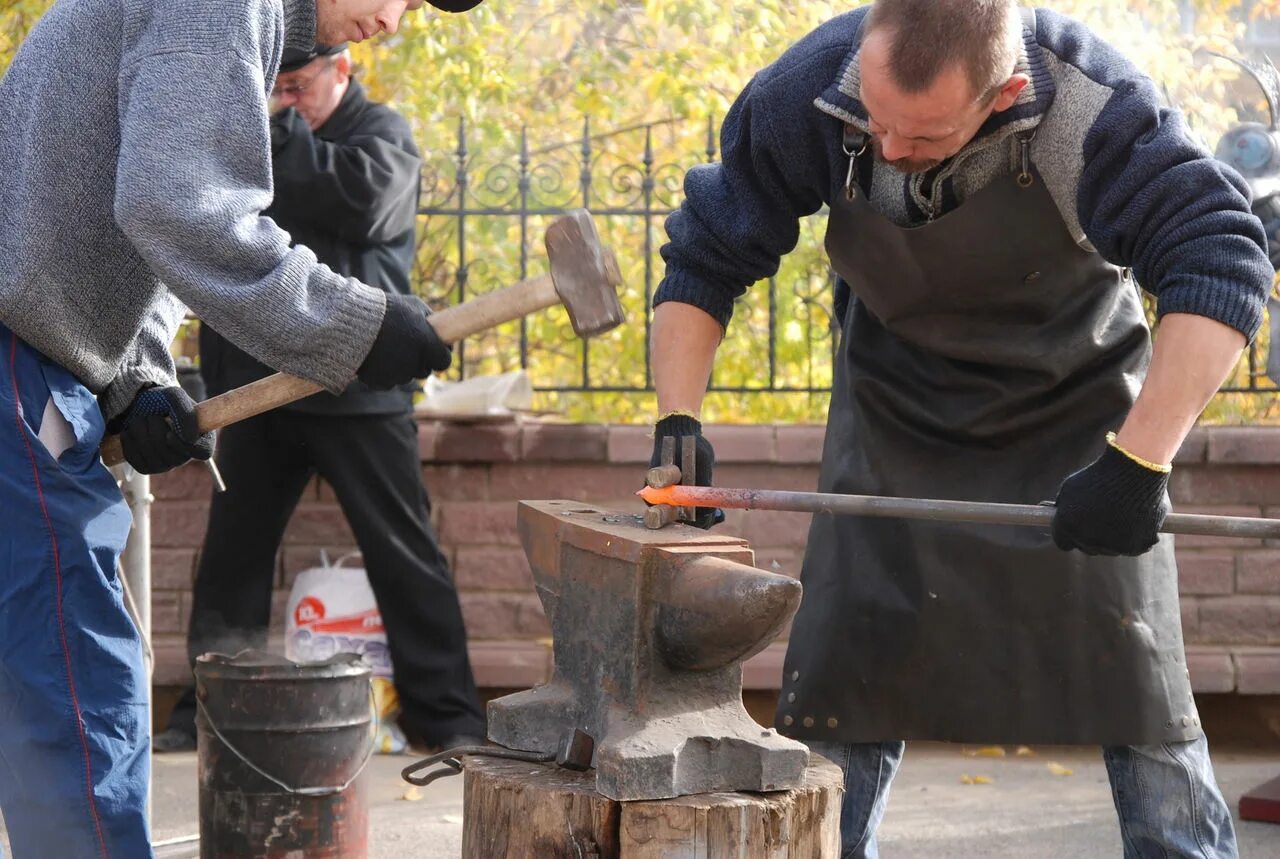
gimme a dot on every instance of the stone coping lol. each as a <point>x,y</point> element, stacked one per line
<point>798,444</point>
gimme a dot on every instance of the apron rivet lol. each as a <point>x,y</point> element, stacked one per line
<point>808,721</point>
<point>1185,721</point>
<point>1034,276</point>
<point>795,675</point>
<point>1195,722</point>
<point>791,697</point>
<point>787,720</point>
<point>833,722</point>
<point>1169,724</point>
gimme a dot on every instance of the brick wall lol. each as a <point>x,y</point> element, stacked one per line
<point>1230,588</point>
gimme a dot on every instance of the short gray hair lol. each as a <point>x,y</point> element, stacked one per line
<point>928,36</point>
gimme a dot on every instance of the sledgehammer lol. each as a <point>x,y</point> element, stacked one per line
<point>584,278</point>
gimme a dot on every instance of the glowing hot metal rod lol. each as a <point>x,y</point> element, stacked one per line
<point>922,508</point>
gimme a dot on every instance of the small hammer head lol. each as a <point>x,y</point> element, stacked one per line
<point>585,274</point>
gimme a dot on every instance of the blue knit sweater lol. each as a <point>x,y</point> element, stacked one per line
<point>1129,180</point>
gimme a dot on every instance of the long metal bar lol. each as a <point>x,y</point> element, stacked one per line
<point>923,508</point>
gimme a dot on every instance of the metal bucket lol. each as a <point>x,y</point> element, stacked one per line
<point>282,746</point>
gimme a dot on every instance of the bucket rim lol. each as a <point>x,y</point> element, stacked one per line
<point>254,664</point>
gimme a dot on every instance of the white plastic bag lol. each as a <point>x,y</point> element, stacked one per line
<point>332,610</point>
<point>503,394</point>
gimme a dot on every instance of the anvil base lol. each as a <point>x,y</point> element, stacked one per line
<point>650,632</point>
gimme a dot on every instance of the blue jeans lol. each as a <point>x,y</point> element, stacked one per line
<point>74,740</point>
<point>1166,797</point>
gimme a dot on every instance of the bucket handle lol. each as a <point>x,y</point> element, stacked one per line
<point>300,791</point>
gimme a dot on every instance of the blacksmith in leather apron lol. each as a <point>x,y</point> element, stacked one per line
<point>985,356</point>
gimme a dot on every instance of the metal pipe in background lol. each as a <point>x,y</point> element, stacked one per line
<point>135,564</point>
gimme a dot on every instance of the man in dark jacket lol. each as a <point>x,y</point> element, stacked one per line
<point>346,175</point>
<point>996,179</point>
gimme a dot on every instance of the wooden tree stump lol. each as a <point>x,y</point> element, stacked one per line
<point>517,810</point>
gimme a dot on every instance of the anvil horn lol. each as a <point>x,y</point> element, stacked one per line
<point>716,612</point>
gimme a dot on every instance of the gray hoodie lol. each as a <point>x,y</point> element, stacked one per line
<point>135,163</point>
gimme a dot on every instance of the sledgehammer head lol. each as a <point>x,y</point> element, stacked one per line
<point>585,274</point>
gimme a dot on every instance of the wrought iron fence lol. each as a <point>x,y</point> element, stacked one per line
<point>630,179</point>
<point>484,204</point>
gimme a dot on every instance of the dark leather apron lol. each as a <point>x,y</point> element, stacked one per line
<point>985,356</point>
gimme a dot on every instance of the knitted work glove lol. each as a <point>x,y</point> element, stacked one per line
<point>679,426</point>
<point>406,348</point>
<point>158,431</point>
<point>1114,506</point>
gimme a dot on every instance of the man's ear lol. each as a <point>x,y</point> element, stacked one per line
<point>1009,93</point>
<point>343,67</point>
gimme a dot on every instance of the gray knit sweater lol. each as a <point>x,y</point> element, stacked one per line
<point>134,166</point>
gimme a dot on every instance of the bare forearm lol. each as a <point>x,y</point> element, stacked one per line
<point>1192,356</point>
<point>683,347</point>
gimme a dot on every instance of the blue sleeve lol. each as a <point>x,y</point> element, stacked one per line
<point>1153,199</point>
<point>742,215</point>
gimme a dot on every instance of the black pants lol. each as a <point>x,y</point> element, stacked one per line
<point>372,463</point>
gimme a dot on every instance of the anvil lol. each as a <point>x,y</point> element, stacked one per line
<point>650,631</point>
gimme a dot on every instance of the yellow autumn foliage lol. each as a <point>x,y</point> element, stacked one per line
<point>667,70</point>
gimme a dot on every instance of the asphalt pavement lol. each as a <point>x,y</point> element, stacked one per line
<point>947,801</point>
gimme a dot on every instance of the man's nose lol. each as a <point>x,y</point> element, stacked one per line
<point>390,16</point>
<point>286,98</point>
<point>894,147</point>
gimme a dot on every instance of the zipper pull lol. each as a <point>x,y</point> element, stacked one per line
<point>1025,178</point>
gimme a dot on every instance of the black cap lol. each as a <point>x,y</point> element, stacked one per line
<point>294,59</point>
<point>455,5</point>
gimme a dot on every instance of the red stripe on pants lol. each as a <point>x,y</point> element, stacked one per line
<point>57,570</point>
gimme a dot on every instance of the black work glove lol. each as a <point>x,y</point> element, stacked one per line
<point>158,431</point>
<point>679,426</point>
<point>1114,506</point>
<point>406,348</point>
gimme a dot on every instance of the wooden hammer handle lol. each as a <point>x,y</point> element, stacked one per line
<point>451,324</point>
<point>494,308</point>
<point>226,409</point>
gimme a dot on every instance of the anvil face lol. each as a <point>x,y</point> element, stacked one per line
<point>651,629</point>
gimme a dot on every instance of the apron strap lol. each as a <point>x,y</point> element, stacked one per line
<point>854,143</point>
